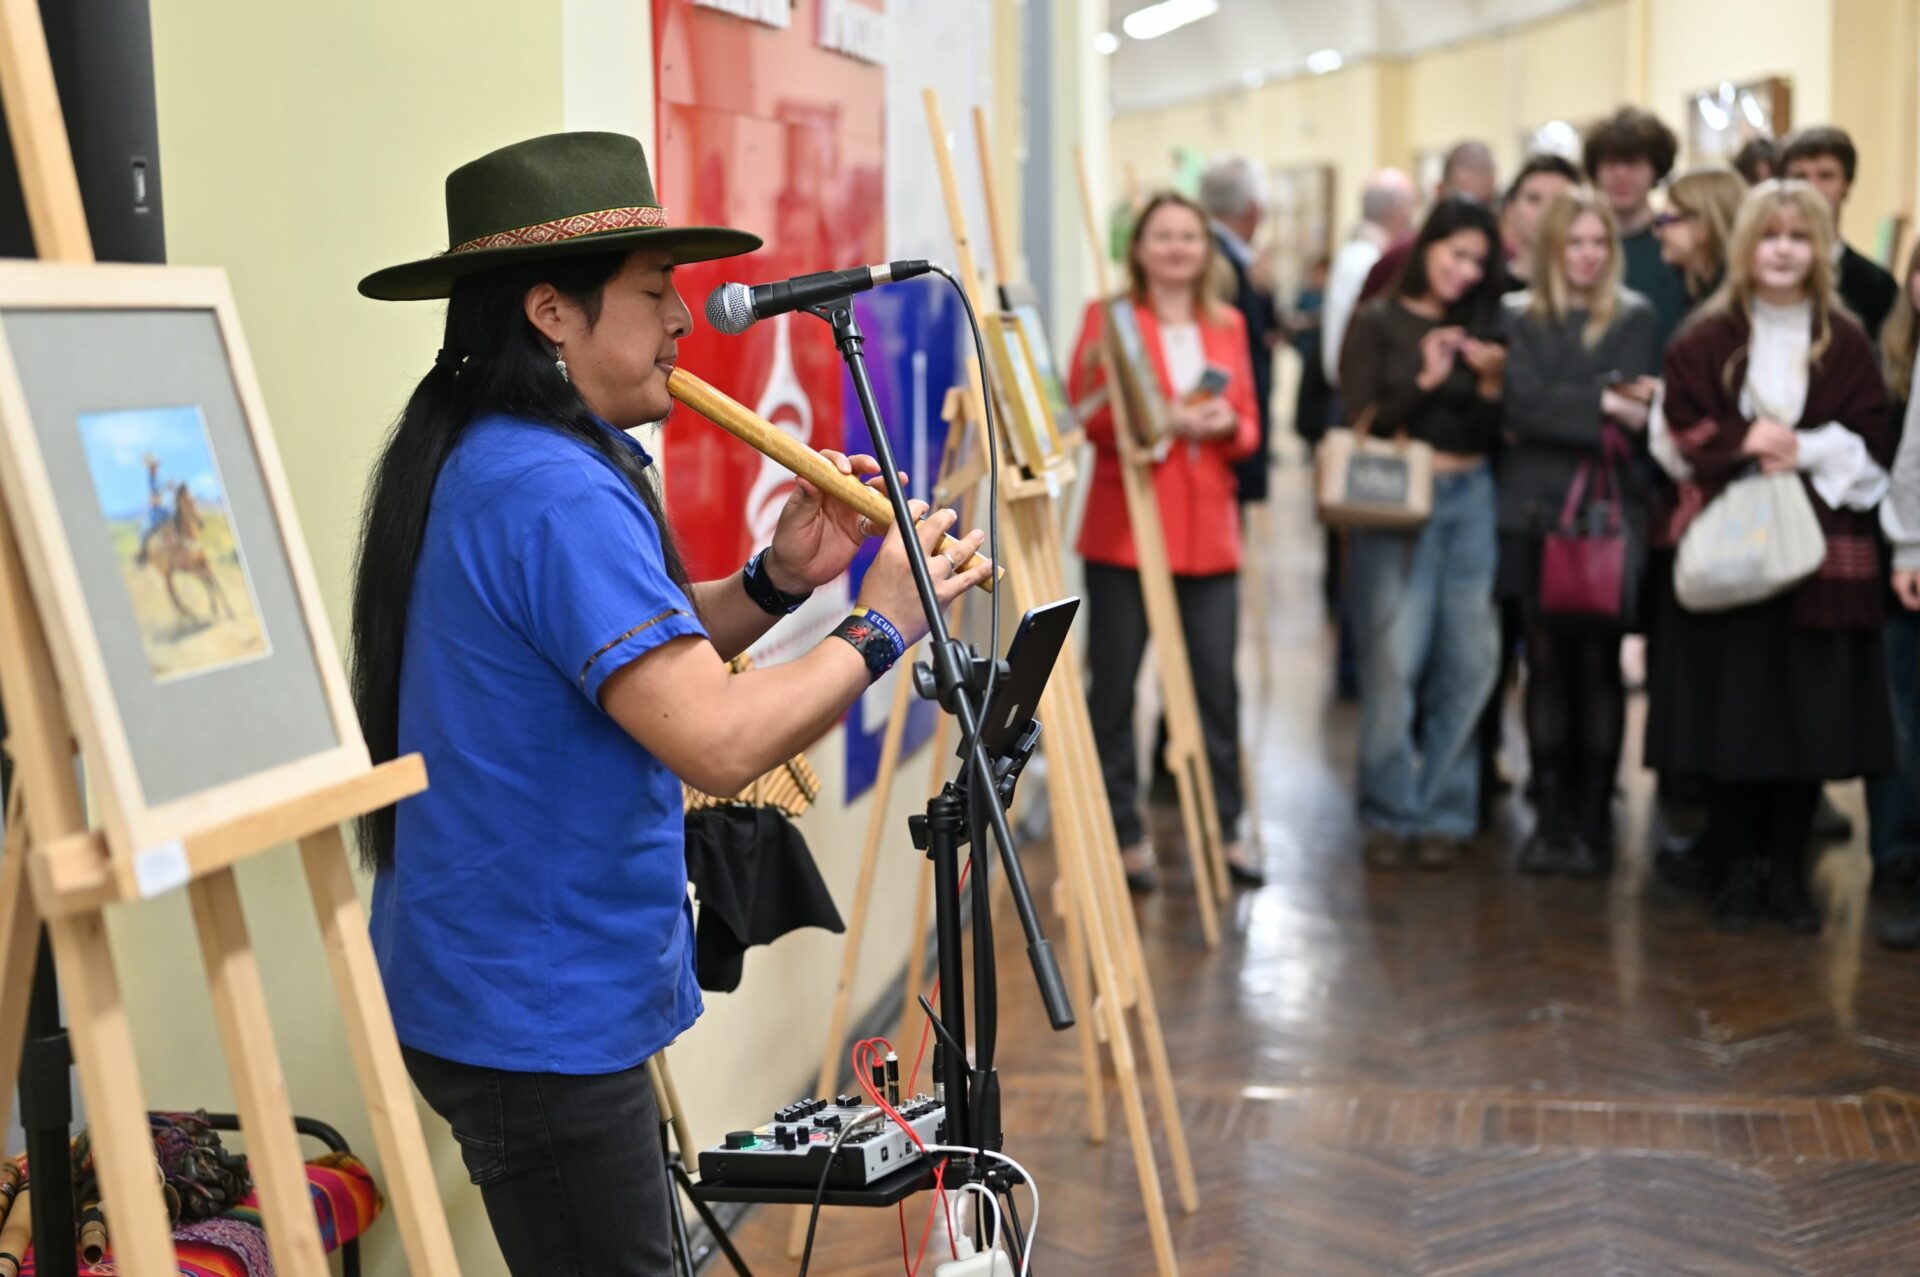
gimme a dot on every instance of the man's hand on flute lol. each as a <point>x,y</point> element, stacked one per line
<point>816,538</point>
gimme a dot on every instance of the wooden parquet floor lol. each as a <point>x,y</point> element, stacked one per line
<point>1471,1072</point>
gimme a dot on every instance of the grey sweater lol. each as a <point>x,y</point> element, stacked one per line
<point>1553,386</point>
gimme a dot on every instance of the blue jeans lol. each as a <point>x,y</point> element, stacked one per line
<point>1429,649</point>
<point>1893,800</point>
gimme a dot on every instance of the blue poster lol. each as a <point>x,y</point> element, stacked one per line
<point>914,330</point>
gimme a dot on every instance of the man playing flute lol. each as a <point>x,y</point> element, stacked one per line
<point>522,619</point>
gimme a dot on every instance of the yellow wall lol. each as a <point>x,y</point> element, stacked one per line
<point>1851,62</point>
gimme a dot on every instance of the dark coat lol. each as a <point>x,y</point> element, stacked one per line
<point>1706,367</point>
<point>1553,386</point>
<point>1868,290</point>
<point>1256,308</point>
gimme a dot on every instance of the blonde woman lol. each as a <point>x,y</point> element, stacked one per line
<point>1768,701</point>
<point>1695,226</point>
<point>1581,363</point>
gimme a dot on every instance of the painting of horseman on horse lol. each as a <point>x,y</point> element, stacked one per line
<point>160,492</point>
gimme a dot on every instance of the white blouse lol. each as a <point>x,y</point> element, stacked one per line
<point>1186,356</point>
<point>1834,458</point>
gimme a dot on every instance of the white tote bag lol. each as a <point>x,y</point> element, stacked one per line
<point>1757,539</point>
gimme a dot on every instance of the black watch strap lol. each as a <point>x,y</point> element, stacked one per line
<point>768,597</point>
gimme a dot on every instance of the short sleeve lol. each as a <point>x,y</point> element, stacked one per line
<point>594,583</point>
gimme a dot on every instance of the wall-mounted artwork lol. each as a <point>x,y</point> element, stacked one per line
<point>1724,118</point>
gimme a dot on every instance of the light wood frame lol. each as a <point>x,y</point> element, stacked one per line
<point>1021,397</point>
<point>1147,415</point>
<point>142,836</point>
<point>1020,298</point>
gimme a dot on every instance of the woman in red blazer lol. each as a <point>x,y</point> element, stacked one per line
<point>1170,263</point>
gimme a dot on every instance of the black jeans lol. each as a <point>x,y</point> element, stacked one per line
<point>570,1167</point>
<point>1116,641</point>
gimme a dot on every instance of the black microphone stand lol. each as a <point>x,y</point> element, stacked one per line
<point>955,676</point>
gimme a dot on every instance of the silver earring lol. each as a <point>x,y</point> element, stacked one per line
<point>560,363</point>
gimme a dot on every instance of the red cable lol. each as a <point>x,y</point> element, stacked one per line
<point>867,1053</point>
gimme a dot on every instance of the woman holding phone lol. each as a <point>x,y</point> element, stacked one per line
<point>1770,700</point>
<point>1579,383</point>
<point>1198,349</point>
<point>1428,360</point>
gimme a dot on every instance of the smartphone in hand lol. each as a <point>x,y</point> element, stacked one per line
<point>1212,382</point>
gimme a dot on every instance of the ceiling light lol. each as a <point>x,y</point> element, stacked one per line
<point>1106,42</point>
<point>1253,77</point>
<point>1321,61</point>
<point>1156,20</point>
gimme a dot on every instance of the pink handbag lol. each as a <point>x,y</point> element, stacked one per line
<point>1584,564</point>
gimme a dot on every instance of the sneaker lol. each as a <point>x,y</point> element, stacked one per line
<point>1541,855</point>
<point>1436,852</point>
<point>1384,852</point>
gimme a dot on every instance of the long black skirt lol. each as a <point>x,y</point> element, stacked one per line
<point>1748,695</point>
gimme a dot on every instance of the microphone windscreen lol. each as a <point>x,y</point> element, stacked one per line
<point>730,308</point>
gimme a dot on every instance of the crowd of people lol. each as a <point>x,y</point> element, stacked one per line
<point>1603,357</point>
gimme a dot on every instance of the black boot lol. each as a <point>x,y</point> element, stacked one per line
<point>1787,894</point>
<point>1545,851</point>
<point>1591,850</point>
<point>1738,905</point>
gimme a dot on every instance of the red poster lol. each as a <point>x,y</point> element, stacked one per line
<point>763,127</point>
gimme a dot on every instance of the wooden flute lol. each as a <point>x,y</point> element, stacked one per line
<point>748,426</point>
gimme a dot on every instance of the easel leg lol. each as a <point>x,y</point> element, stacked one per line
<point>19,947</point>
<point>1080,985</point>
<point>259,1087</point>
<point>388,1091</point>
<point>116,1105</point>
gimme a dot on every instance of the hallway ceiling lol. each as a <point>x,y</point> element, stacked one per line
<point>1248,41</point>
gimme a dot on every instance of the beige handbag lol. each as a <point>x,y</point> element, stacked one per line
<point>1380,484</point>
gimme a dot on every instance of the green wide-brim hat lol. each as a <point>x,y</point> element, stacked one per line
<point>555,196</point>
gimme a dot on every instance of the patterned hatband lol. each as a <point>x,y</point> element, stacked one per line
<point>565,228</point>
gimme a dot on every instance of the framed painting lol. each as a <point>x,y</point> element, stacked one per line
<point>1724,118</point>
<point>160,541</point>
<point>1139,383</point>
<point>1022,301</point>
<point>1022,405</point>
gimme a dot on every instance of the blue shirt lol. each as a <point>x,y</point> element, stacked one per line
<point>535,917</point>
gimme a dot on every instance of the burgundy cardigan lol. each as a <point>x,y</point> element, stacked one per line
<point>1706,367</point>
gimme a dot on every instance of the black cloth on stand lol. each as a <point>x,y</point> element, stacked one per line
<point>756,881</point>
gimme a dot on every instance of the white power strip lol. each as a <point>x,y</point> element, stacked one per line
<point>992,1263</point>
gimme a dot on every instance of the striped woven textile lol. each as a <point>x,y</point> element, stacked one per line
<point>345,1201</point>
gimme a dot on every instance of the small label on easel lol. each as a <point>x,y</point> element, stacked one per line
<point>1053,485</point>
<point>160,869</point>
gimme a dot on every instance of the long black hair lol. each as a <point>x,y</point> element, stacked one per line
<point>1478,310</point>
<point>492,360</point>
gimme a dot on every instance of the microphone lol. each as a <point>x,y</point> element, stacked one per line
<point>733,308</point>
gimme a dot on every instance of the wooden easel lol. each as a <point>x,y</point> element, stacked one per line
<point>58,871</point>
<point>1106,963</point>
